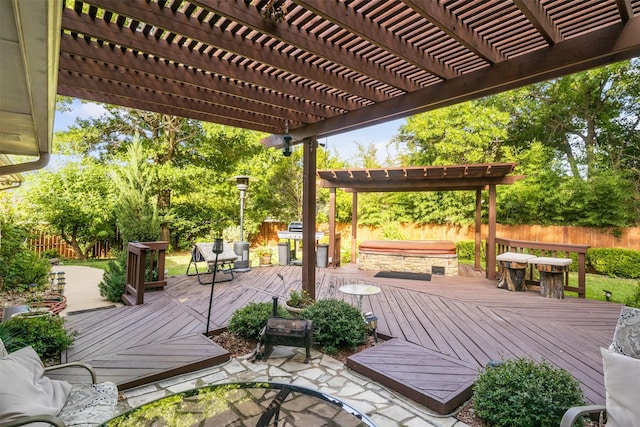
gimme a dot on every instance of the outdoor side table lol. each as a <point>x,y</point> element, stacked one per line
<point>514,267</point>
<point>552,271</point>
<point>360,290</point>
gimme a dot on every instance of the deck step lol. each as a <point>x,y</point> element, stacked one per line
<point>132,366</point>
<point>435,380</point>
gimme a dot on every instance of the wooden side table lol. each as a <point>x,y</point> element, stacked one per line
<point>552,271</point>
<point>514,267</point>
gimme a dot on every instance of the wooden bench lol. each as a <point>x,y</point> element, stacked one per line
<point>415,256</point>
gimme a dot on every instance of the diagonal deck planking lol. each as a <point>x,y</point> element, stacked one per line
<point>453,324</point>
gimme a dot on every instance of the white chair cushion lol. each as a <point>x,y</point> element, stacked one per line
<point>90,404</point>
<point>626,338</point>
<point>25,391</point>
<point>622,385</point>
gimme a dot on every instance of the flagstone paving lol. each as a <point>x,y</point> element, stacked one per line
<point>323,373</point>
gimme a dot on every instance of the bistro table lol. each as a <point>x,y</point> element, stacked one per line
<point>360,290</point>
<point>258,404</point>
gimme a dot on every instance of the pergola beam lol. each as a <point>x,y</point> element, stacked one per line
<point>445,184</point>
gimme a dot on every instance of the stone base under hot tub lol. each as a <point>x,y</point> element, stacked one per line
<point>414,256</point>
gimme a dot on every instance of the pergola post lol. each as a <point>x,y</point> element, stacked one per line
<point>491,240</point>
<point>332,225</point>
<point>354,226</point>
<point>478,231</point>
<point>309,215</point>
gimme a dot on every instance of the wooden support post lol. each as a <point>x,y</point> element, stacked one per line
<point>332,227</point>
<point>478,232</point>
<point>354,227</point>
<point>309,216</point>
<point>491,239</point>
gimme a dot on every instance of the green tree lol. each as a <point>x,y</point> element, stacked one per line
<point>465,133</point>
<point>191,162</point>
<point>136,214</point>
<point>76,202</point>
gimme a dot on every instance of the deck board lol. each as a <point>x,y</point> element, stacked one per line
<point>458,323</point>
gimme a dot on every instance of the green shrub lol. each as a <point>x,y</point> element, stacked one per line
<point>336,325</point>
<point>113,281</point>
<point>45,334</point>
<point>523,393</point>
<point>19,266</point>
<point>634,299</point>
<point>615,262</point>
<point>249,320</point>
<point>466,249</point>
<point>50,253</point>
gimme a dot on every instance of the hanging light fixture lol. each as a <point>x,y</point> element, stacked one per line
<point>286,140</point>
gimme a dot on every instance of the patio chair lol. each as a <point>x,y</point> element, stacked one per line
<point>621,363</point>
<point>28,396</point>
<point>203,252</point>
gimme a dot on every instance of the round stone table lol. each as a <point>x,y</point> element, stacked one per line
<point>258,404</point>
<point>360,290</point>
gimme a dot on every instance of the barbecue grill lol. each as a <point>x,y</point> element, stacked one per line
<point>289,332</point>
<point>295,226</point>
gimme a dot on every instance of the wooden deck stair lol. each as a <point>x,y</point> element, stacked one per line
<point>433,379</point>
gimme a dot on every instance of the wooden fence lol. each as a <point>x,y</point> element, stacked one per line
<point>626,238</point>
<point>44,242</point>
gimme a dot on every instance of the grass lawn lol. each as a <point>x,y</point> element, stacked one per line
<point>176,264</point>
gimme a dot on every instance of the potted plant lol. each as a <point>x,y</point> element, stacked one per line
<point>298,301</point>
<point>264,253</point>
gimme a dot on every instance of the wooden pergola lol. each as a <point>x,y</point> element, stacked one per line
<point>303,68</point>
<point>472,177</point>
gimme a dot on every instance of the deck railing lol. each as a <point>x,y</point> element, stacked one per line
<point>145,269</point>
<point>549,250</point>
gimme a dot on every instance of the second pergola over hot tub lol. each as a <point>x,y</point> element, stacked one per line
<point>471,177</point>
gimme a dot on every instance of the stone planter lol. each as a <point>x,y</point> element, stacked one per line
<point>265,259</point>
<point>293,310</point>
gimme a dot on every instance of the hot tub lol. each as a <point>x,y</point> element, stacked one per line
<point>414,256</point>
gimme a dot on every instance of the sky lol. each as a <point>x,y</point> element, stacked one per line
<point>378,135</point>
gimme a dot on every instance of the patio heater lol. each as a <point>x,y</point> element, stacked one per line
<point>241,248</point>
<point>217,249</point>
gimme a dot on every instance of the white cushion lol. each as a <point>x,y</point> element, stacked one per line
<point>90,404</point>
<point>515,257</point>
<point>626,338</point>
<point>559,262</point>
<point>622,385</point>
<point>25,391</point>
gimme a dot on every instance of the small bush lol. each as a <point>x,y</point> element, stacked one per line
<point>249,320</point>
<point>46,335</point>
<point>466,249</point>
<point>523,393</point>
<point>336,325</point>
<point>50,253</point>
<point>614,262</point>
<point>634,299</point>
<point>113,281</point>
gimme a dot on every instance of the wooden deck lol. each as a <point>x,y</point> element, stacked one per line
<point>453,324</point>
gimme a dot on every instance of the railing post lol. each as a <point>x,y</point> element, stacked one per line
<point>136,263</point>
